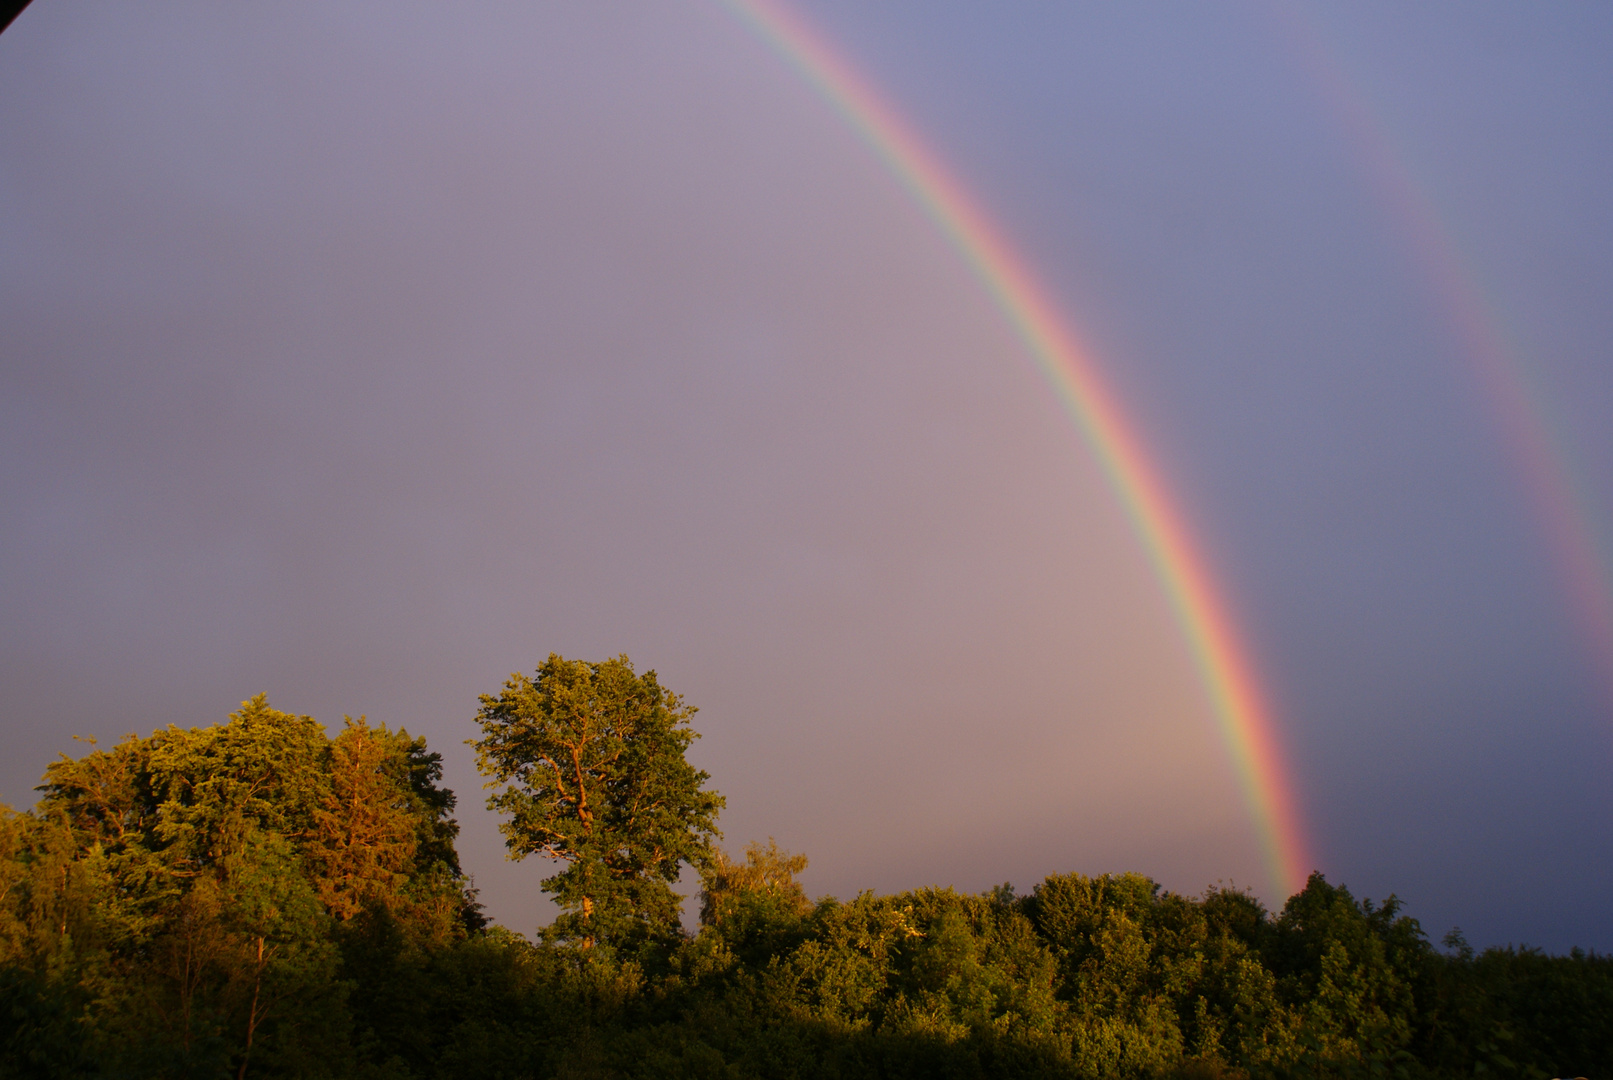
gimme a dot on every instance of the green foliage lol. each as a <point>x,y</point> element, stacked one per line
<point>171,908</point>
<point>755,907</point>
<point>588,763</point>
<point>1350,971</point>
<point>259,899</point>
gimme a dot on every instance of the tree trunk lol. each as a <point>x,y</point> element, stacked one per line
<point>252,1013</point>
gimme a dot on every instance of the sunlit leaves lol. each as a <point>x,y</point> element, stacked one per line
<point>587,762</point>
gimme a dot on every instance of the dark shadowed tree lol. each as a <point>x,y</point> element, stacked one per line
<point>587,760</point>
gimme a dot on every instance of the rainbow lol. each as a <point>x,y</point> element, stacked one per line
<point>1520,412</point>
<point>1241,712</point>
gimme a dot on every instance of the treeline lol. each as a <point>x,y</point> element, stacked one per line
<point>260,899</point>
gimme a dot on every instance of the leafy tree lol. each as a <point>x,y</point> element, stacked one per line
<point>1349,968</point>
<point>588,762</point>
<point>381,835</point>
<point>766,880</point>
<point>365,838</point>
<point>756,906</point>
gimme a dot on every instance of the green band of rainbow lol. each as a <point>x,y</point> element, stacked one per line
<point>1241,713</point>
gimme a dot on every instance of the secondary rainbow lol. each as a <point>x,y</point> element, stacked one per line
<point>1235,695</point>
<point>1561,504</point>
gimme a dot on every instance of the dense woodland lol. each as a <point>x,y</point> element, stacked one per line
<point>260,898</point>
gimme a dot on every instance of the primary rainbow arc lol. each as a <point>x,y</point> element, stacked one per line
<point>1241,712</point>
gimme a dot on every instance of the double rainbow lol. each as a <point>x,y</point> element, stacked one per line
<point>1241,712</point>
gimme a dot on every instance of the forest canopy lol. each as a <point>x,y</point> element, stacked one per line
<point>263,898</point>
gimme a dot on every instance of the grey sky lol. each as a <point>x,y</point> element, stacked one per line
<point>362,354</point>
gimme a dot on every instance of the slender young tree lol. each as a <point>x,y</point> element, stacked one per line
<point>587,760</point>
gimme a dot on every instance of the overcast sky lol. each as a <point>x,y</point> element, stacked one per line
<point>361,354</point>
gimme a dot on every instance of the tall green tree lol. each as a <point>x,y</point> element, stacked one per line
<point>587,760</point>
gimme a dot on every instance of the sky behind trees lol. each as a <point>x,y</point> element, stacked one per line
<point>362,355</point>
